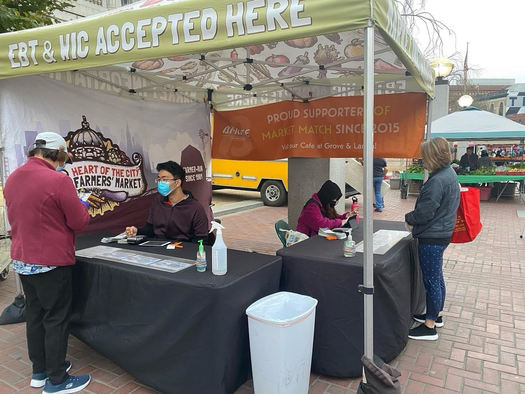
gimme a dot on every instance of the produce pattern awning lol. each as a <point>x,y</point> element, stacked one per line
<point>248,50</point>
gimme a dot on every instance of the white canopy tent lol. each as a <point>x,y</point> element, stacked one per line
<point>475,124</point>
<point>236,54</point>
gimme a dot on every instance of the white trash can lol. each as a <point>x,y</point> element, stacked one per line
<point>281,328</point>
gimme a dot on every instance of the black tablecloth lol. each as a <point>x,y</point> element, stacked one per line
<point>316,267</point>
<point>183,332</point>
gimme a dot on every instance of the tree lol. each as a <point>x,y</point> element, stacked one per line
<point>417,18</point>
<point>26,14</point>
<point>431,40</point>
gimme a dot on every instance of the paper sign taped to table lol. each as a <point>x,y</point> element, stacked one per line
<point>384,240</point>
<point>142,259</point>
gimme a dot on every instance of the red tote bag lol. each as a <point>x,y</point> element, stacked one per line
<point>468,223</point>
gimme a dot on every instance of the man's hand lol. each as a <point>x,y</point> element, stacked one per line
<point>408,227</point>
<point>131,231</point>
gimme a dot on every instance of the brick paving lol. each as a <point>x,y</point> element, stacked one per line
<point>481,349</point>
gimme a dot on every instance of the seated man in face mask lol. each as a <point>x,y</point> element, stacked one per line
<point>174,213</point>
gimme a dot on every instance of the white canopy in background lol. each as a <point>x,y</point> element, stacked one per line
<point>475,124</point>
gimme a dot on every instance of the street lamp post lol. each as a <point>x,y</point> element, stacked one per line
<point>438,107</point>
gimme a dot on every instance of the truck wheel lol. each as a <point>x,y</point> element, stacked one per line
<point>273,193</point>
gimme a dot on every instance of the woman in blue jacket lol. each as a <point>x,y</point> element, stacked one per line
<point>432,222</point>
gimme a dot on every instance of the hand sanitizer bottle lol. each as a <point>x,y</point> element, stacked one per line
<point>349,246</point>
<point>200,262</point>
<point>219,252</point>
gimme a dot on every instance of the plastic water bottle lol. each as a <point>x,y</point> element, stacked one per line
<point>219,252</point>
<point>355,208</point>
<point>349,246</point>
<point>201,258</point>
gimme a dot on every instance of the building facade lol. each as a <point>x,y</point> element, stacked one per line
<point>83,8</point>
<point>488,94</point>
<point>516,103</point>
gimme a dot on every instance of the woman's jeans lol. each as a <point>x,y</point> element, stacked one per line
<point>431,262</point>
<point>378,181</point>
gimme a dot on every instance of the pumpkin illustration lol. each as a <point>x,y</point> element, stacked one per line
<point>355,48</point>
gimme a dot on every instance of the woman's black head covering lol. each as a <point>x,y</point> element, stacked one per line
<point>329,192</point>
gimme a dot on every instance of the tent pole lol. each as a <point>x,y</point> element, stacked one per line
<point>429,129</point>
<point>368,157</point>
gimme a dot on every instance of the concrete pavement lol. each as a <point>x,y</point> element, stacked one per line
<point>481,349</point>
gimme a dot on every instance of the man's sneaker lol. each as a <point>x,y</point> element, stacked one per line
<point>39,379</point>
<point>71,385</point>
<point>421,319</point>
<point>423,333</point>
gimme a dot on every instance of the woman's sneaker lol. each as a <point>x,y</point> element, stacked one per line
<point>421,319</point>
<point>39,379</point>
<point>424,333</point>
<point>71,385</point>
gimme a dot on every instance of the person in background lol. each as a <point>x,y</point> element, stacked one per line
<point>380,171</point>
<point>174,213</point>
<point>319,211</point>
<point>485,160</point>
<point>44,213</point>
<point>432,222</point>
<point>469,161</point>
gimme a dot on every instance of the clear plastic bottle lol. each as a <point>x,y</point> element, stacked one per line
<point>355,208</point>
<point>201,258</point>
<point>349,246</point>
<point>219,252</point>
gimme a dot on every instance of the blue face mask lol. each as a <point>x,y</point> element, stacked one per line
<point>164,188</point>
<point>60,168</point>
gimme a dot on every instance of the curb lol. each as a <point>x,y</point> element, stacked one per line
<point>228,209</point>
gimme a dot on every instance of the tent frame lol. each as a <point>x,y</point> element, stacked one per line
<point>410,57</point>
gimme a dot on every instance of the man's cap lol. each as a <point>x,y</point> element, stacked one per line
<point>470,147</point>
<point>51,141</point>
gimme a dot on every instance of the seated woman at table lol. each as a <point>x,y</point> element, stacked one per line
<point>319,211</point>
<point>432,222</point>
<point>174,213</point>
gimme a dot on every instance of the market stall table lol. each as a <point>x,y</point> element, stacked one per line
<point>182,332</point>
<point>316,267</point>
<point>469,179</point>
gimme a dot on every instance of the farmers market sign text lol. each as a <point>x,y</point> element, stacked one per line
<point>192,26</point>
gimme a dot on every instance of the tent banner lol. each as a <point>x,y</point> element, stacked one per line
<point>153,29</point>
<point>115,142</point>
<point>330,127</point>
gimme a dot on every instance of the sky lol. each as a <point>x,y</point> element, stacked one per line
<point>494,31</point>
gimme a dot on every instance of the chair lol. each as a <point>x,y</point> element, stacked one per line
<point>281,227</point>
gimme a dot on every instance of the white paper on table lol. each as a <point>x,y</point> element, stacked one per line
<point>170,265</point>
<point>383,240</point>
<point>131,257</point>
<point>95,251</point>
<point>147,260</point>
